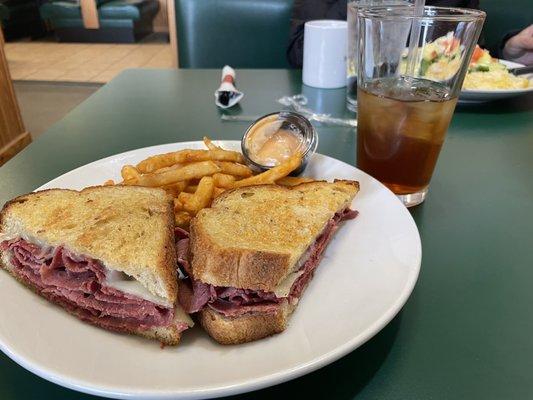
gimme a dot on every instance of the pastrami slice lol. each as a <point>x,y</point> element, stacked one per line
<point>78,284</point>
<point>194,295</point>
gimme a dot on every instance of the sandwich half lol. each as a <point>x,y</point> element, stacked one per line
<point>251,255</point>
<point>105,254</point>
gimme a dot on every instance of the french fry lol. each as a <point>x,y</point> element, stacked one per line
<point>292,180</point>
<point>191,189</point>
<point>182,219</point>
<point>202,197</point>
<point>184,197</point>
<point>195,177</point>
<point>128,182</point>
<point>218,191</point>
<point>273,174</point>
<point>130,174</point>
<point>178,206</point>
<point>164,169</point>
<point>174,189</point>
<point>209,144</point>
<point>223,180</point>
<point>109,182</point>
<point>185,173</point>
<point>154,163</point>
<point>234,169</point>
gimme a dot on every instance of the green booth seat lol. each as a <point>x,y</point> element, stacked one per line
<point>241,33</point>
<point>121,21</point>
<point>20,18</point>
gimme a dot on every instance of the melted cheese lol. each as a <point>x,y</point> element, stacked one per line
<point>182,316</point>
<point>26,237</point>
<point>284,288</point>
<point>120,281</point>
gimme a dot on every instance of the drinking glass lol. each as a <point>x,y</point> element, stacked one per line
<point>352,43</point>
<point>411,69</point>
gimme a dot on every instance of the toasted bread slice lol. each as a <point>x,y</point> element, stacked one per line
<point>253,237</point>
<point>247,327</point>
<point>128,228</point>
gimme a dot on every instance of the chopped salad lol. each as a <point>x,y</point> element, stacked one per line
<point>441,59</point>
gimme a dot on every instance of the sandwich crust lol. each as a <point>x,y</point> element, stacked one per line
<point>247,327</point>
<point>130,229</point>
<point>252,237</point>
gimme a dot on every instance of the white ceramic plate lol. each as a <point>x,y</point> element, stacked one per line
<point>478,96</point>
<point>366,276</point>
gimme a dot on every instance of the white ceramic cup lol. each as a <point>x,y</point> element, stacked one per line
<point>324,64</point>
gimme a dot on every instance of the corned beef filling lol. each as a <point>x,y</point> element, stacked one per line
<point>194,295</point>
<point>77,283</point>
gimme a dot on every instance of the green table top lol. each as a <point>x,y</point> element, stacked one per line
<point>466,331</point>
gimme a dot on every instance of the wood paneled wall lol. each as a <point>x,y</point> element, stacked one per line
<point>13,136</point>
<point>172,32</point>
<point>161,18</point>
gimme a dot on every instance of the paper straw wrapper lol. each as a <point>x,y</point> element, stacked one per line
<point>227,94</point>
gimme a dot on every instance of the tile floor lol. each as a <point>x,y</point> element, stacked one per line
<point>82,62</point>
<point>42,104</point>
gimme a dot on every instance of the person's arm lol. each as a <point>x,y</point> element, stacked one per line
<point>308,10</point>
<point>519,47</point>
<point>295,50</point>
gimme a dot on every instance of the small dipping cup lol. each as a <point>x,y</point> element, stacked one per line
<point>274,137</point>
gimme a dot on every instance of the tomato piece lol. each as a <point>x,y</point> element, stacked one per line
<point>478,52</point>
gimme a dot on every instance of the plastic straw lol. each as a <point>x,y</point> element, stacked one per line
<point>412,55</point>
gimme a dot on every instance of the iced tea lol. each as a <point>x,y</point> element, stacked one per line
<point>402,123</point>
